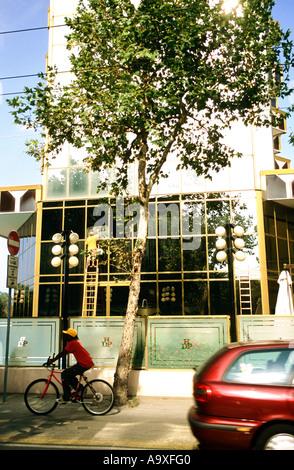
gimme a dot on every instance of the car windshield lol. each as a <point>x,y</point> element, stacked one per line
<point>262,366</point>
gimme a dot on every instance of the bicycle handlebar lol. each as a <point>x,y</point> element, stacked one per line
<point>47,363</point>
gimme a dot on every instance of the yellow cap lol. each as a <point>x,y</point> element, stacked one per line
<point>70,332</point>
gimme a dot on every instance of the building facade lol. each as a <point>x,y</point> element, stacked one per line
<point>181,276</point>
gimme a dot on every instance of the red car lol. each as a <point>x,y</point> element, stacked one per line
<point>244,397</point>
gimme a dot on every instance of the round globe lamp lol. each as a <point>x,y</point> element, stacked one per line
<point>56,250</point>
<point>57,238</point>
<point>73,249</point>
<point>73,261</point>
<point>73,238</point>
<point>240,255</point>
<point>239,231</point>
<point>221,256</point>
<point>239,243</point>
<point>221,244</point>
<point>56,261</point>
<point>221,232</point>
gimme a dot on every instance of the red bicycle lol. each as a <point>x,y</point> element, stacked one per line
<point>96,396</point>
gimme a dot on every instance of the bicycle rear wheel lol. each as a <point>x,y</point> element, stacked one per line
<point>38,403</point>
<point>98,397</point>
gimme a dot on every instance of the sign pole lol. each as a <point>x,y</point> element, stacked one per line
<point>12,265</point>
<point>7,346</point>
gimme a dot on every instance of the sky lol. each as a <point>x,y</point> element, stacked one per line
<point>23,53</point>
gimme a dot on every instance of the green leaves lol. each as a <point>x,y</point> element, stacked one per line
<point>168,75</point>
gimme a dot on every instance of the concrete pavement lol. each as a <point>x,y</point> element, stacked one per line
<point>152,423</point>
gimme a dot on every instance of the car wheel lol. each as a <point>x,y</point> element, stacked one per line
<point>277,437</point>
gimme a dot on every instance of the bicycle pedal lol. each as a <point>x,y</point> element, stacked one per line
<point>61,401</point>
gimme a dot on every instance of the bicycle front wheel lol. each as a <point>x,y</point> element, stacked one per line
<point>37,400</point>
<point>98,397</point>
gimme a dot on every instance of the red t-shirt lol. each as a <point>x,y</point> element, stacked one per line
<point>82,356</point>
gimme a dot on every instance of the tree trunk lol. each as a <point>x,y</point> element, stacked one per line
<point>121,375</point>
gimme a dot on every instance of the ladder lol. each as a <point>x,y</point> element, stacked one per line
<point>245,294</point>
<point>90,291</point>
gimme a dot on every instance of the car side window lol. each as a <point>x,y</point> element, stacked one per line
<point>263,366</point>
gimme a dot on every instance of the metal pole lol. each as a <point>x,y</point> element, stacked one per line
<point>65,290</point>
<point>7,346</point>
<point>233,329</point>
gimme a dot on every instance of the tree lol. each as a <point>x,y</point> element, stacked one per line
<point>165,76</point>
<point>3,304</point>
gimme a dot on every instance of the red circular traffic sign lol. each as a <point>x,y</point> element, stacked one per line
<point>13,243</point>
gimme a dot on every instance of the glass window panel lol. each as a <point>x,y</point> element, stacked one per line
<point>56,184</point>
<point>120,256</point>
<point>32,262</point>
<point>170,298</point>
<point>256,297</point>
<point>281,221</point>
<point>101,301</point>
<point>291,245</point>
<point>73,203</point>
<point>78,182</point>
<point>171,184</point>
<point>74,219</point>
<point>152,220</point>
<point>96,178</point>
<point>168,217</point>
<point>76,156</point>
<point>21,301</point>
<point>269,220</point>
<point>196,298</point>
<point>290,217</point>
<point>51,223</point>
<point>192,182</point>
<point>131,188</point>
<point>149,260</point>
<point>271,253</point>
<point>239,137</point>
<point>242,171</point>
<point>194,259</point>
<point>61,159</point>
<point>169,254</point>
<point>219,295</point>
<point>219,181</point>
<point>118,300</point>
<point>273,288</point>
<point>218,213</point>
<point>244,213</point>
<point>101,218</point>
<point>31,297</point>
<point>75,300</point>
<point>193,218</point>
<point>147,299</point>
<point>283,253</point>
<point>49,300</point>
<point>46,257</point>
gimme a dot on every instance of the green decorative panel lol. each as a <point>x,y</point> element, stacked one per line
<point>172,342</point>
<point>265,327</point>
<point>31,340</point>
<point>184,342</point>
<point>102,338</point>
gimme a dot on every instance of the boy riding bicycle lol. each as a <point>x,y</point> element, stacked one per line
<point>83,358</point>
